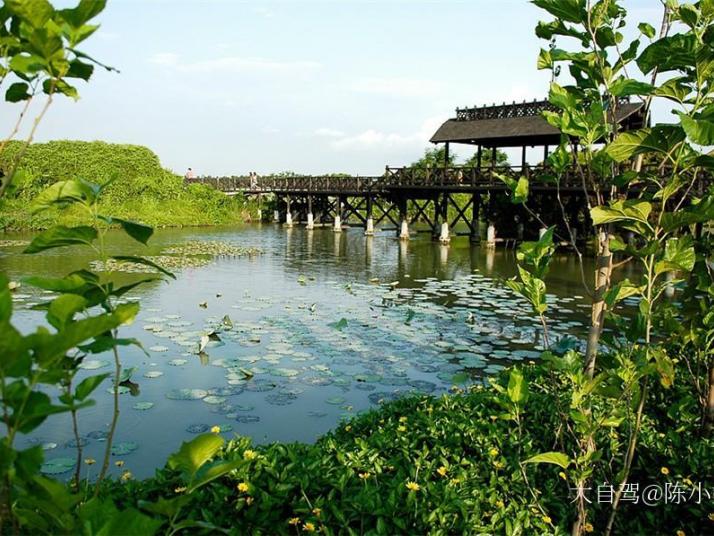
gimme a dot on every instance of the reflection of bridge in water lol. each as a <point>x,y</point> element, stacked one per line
<point>444,196</point>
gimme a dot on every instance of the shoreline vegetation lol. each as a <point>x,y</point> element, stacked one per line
<point>141,190</point>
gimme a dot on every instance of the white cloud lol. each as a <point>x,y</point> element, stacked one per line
<point>164,58</point>
<point>398,87</point>
<point>329,133</point>
<point>234,64</point>
<point>372,138</point>
<point>263,12</point>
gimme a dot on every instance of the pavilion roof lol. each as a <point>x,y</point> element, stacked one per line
<point>516,125</point>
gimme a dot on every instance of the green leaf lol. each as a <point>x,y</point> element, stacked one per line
<point>700,131</point>
<point>517,387</point>
<point>209,473</point>
<point>567,10</point>
<point>17,92</point>
<point>70,283</point>
<point>60,236</point>
<point>545,61</point>
<point>34,12</point>
<point>670,53</point>
<point>628,210</point>
<point>647,30</point>
<point>679,255</point>
<point>659,139</point>
<point>88,385</point>
<point>195,453</point>
<point>623,289</point>
<point>145,262</point>
<point>674,89</point>
<point>5,299</point>
<point>85,11</point>
<point>624,87</point>
<point>63,193</point>
<point>138,231</point>
<point>556,458</point>
<point>62,309</point>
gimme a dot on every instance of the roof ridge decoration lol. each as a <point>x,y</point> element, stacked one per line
<point>504,111</point>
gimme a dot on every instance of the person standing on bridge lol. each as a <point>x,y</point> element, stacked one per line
<point>190,175</point>
<point>253,180</point>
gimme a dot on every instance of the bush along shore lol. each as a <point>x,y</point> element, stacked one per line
<point>140,188</point>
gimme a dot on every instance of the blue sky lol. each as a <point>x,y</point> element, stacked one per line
<point>228,87</point>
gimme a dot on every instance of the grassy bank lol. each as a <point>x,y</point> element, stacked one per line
<point>141,189</point>
<point>451,465</point>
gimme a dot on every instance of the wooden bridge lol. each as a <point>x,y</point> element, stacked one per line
<point>446,198</point>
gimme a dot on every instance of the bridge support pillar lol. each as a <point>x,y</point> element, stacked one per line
<point>369,228</point>
<point>288,219</point>
<point>276,216</point>
<point>337,227</point>
<point>310,221</point>
<point>491,235</point>
<point>369,224</point>
<point>444,237</point>
<point>404,230</point>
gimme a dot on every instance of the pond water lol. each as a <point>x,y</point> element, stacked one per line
<point>325,325</point>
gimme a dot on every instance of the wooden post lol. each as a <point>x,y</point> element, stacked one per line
<point>475,210</point>
<point>478,157</point>
<point>523,158</point>
<point>446,154</point>
<point>493,157</point>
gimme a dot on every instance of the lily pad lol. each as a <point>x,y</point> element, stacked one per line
<point>94,364</point>
<point>186,394</point>
<point>197,428</point>
<point>213,399</point>
<point>124,448</point>
<point>335,400</point>
<point>177,362</point>
<point>159,348</point>
<point>143,406</point>
<point>153,374</point>
<point>246,419</point>
<point>57,466</point>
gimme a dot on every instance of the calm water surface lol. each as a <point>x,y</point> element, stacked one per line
<point>327,324</point>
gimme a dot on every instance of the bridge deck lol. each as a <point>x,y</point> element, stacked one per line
<point>452,179</point>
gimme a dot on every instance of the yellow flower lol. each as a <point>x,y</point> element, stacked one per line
<point>216,430</point>
<point>308,527</point>
<point>364,476</point>
<point>588,527</point>
<point>180,489</point>
<point>547,519</point>
<point>681,533</point>
<point>687,482</point>
<point>126,475</point>
<point>317,511</point>
<point>413,486</point>
<point>562,475</point>
<point>90,461</point>
<point>294,521</point>
<point>402,419</point>
<point>499,465</point>
<point>401,429</point>
<point>348,428</point>
<point>119,463</point>
<point>442,470</point>
<point>664,471</point>
<point>493,451</point>
<point>454,481</point>
<point>249,500</point>
<point>500,504</point>
<point>243,487</point>
<point>711,516</point>
<point>250,455</point>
